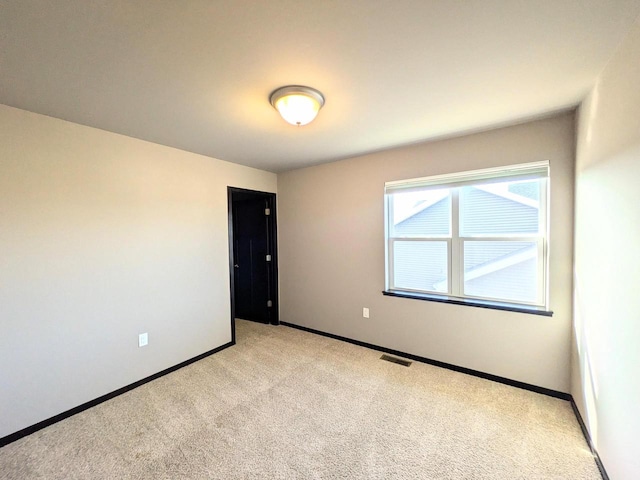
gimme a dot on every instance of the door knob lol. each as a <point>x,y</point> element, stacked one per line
<point>237,266</point>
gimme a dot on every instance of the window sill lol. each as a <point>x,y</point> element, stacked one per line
<point>510,307</point>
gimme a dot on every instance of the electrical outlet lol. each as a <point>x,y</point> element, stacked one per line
<point>143,339</point>
<point>365,312</point>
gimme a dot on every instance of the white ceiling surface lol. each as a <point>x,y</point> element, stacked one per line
<point>197,74</point>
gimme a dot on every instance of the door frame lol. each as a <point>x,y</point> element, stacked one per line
<point>272,238</point>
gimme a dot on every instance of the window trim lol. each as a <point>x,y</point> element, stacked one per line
<point>455,243</point>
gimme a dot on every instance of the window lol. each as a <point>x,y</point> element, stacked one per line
<point>474,236</point>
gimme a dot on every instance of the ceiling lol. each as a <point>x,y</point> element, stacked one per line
<point>197,74</point>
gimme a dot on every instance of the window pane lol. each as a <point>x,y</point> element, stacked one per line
<point>420,266</point>
<point>500,208</point>
<point>501,270</point>
<point>421,214</point>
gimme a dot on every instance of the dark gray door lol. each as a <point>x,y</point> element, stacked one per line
<point>253,256</point>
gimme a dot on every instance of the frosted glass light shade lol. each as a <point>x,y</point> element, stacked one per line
<point>298,105</point>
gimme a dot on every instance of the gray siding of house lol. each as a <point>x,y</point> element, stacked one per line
<point>434,220</point>
<point>516,283</point>
<point>478,254</point>
<point>419,265</point>
<point>483,213</point>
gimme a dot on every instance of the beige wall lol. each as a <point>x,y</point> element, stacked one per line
<point>606,360</point>
<point>331,238</point>
<point>103,237</point>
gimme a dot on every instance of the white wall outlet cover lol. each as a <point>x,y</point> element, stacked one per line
<point>143,339</point>
<point>365,312</point>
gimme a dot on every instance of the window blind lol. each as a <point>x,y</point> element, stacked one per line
<point>526,171</point>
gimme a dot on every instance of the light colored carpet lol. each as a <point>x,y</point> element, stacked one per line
<point>286,404</point>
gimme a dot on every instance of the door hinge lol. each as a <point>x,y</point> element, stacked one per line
<point>268,258</point>
<point>269,303</point>
<point>267,211</point>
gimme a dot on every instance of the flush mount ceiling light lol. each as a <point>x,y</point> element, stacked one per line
<point>298,105</point>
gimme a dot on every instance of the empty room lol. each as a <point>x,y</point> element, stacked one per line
<point>319,239</point>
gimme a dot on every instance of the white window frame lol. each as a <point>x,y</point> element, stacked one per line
<point>456,243</point>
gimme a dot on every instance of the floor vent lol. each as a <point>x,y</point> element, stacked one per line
<point>399,361</point>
